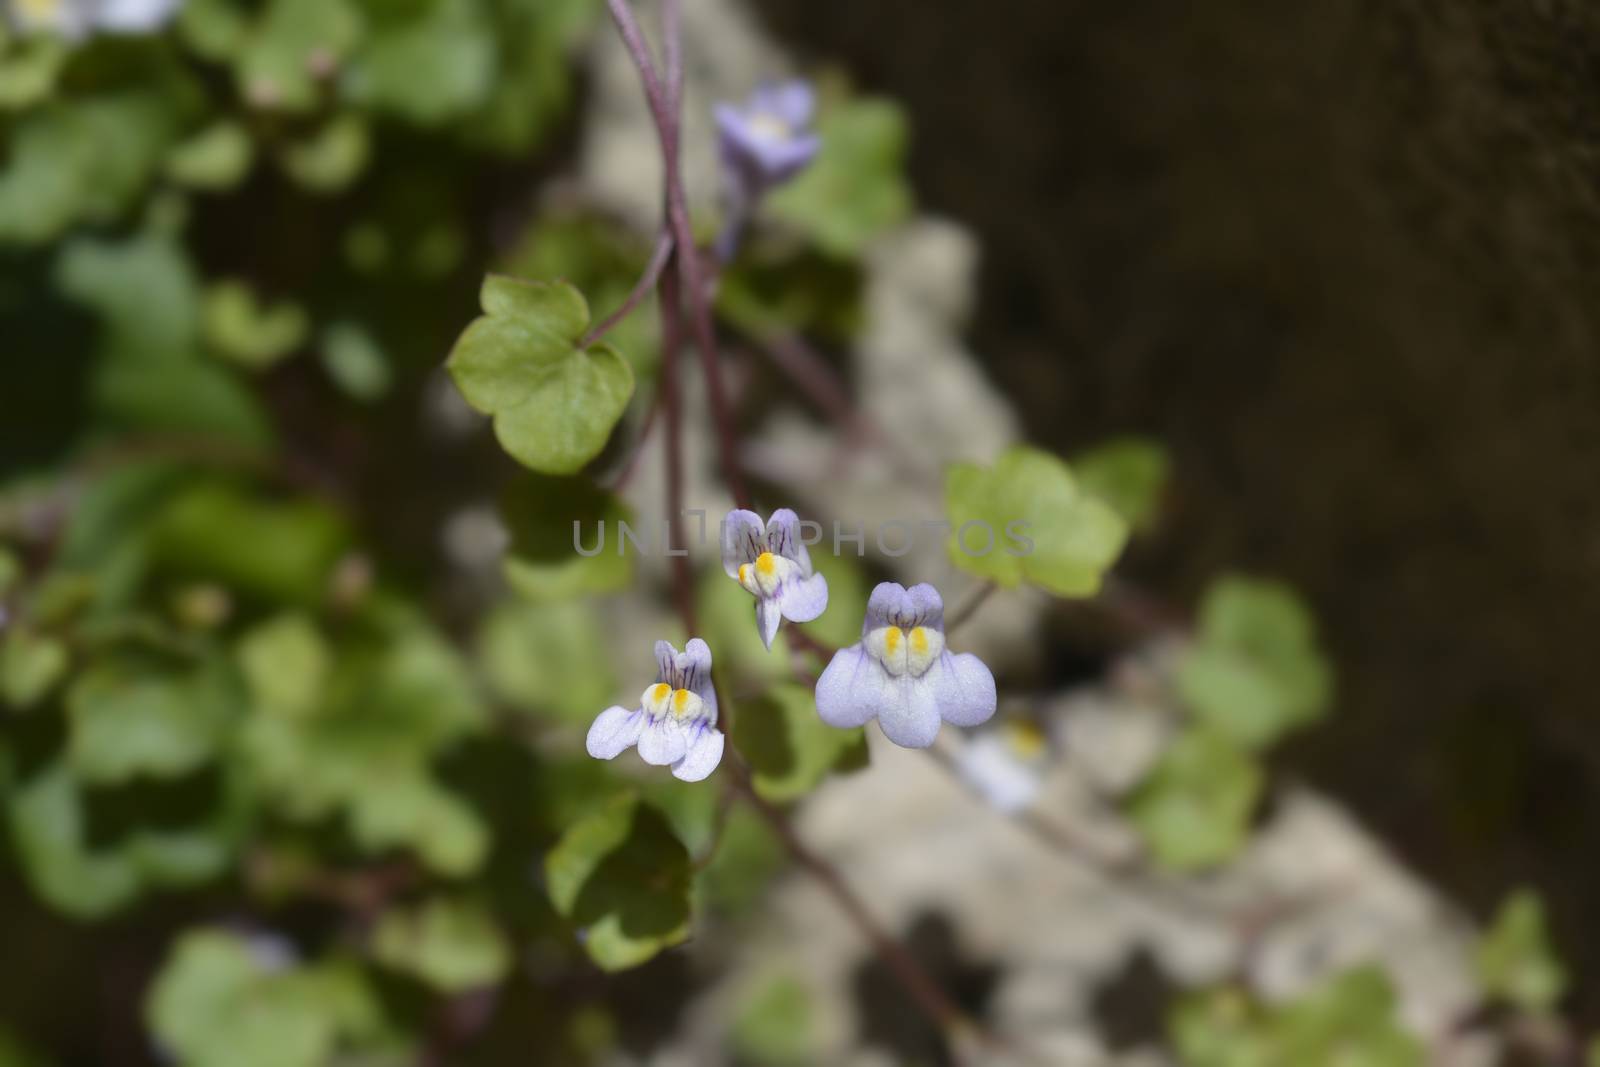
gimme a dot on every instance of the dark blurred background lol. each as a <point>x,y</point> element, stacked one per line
<point>1341,257</point>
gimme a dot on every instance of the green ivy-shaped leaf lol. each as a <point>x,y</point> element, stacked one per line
<point>1516,960</point>
<point>452,945</point>
<point>1194,809</point>
<point>554,404</point>
<point>221,1001</point>
<point>1254,672</point>
<point>788,747</point>
<point>1129,473</point>
<point>1026,519</point>
<point>622,877</point>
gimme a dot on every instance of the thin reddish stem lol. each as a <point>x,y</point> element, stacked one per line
<point>641,289</point>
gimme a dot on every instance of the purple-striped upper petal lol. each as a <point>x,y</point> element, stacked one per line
<point>744,538</point>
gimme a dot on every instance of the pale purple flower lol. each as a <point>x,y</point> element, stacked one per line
<point>901,673</point>
<point>762,144</point>
<point>773,565</point>
<point>1006,764</point>
<point>768,140</point>
<point>675,724</point>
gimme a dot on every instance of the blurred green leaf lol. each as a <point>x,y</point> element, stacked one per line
<point>789,748</point>
<point>1030,521</point>
<point>398,697</point>
<point>286,664</point>
<point>1194,809</point>
<point>214,29</point>
<point>151,373</point>
<point>536,40</point>
<point>295,45</point>
<point>28,71</point>
<point>127,719</point>
<point>554,404</point>
<point>434,66</point>
<point>1254,672</point>
<point>1347,1022</point>
<point>774,1026</point>
<point>216,158</point>
<point>856,188</point>
<point>225,1000</point>
<point>548,658</point>
<point>548,519</point>
<point>453,945</point>
<point>82,160</point>
<point>241,330</point>
<point>1516,960</point>
<point>622,878</point>
<point>1129,473</point>
<point>284,551</point>
<point>31,664</point>
<point>332,157</point>
<point>355,361</point>
<point>90,880</point>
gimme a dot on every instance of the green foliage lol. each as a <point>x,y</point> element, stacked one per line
<point>429,64</point>
<point>396,696</point>
<point>789,749</point>
<point>355,361</point>
<point>856,187</point>
<point>81,160</point>
<point>129,718</point>
<point>774,1025</point>
<point>452,945</point>
<point>554,403</point>
<point>217,158</point>
<point>291,47</point>
<point>243,331</point>
<point>1194,809</point>
<point>1254,672</point>
<point>222,1000</point>
<point>31,664</point>
<point>1029,495</point>
<point>1129,473</point>
<point>1516,960</point>
<point>1348,1022</point>
<point>332,157</point>
<point>551,659</point>
<point>548,518</point>
<point>621,878</point>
